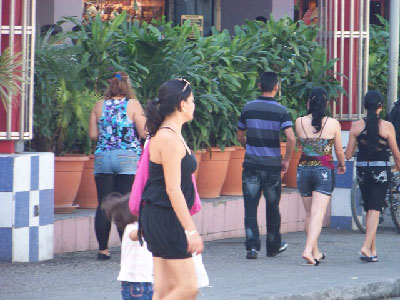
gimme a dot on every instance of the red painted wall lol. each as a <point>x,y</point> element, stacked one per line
<point>8,146</point>
<point>5,42</point>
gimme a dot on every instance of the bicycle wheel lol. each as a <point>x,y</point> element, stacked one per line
<point>395,201</point>
<point>357,207</point>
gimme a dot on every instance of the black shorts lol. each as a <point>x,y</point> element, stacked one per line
<point>374,183</point>
<point>163,233</point>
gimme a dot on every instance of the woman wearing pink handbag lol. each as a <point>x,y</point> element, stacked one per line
<point>169,194</point>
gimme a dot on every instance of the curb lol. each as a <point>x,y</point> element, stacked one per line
<point>366,291</point>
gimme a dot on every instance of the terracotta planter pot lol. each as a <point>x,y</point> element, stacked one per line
<point>67,177</point>
<point>87,193</point>
<point>290,177</point>
<point>211,176</point>
<point>198,155</point>
<point>233,181</point>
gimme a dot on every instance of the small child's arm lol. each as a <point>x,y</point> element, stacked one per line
<point>133,235</point>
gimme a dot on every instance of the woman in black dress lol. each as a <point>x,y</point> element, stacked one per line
<point>165,220</point>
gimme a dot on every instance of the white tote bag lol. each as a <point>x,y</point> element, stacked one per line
<point>201,273</point>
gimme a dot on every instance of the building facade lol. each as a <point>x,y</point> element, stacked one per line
<point>223,14</point>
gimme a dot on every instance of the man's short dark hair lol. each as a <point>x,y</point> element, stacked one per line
<point>261,19</point>
<point>268,81</point>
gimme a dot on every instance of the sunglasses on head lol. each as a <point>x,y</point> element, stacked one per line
<point>185,82</point>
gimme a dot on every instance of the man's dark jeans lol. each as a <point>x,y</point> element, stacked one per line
<point>269,182</point>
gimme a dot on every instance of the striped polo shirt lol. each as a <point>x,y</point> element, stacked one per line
<point>263,119</point>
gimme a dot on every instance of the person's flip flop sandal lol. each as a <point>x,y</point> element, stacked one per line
<point>309,264</point>
<point>368,258</point>
<point>323,256</point>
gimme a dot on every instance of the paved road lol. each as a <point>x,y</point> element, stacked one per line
<point>79,276</point>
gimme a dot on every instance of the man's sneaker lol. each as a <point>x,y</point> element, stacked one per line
<point>281,249</point>
<point>252,254</point>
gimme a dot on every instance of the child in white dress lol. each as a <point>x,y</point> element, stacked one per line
<point>136,274</point>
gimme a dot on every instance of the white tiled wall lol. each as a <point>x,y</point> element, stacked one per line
<point>20,244</point>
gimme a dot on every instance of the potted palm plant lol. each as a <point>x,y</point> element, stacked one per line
<point>62,109</point>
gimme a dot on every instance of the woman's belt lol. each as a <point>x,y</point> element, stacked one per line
<point>373,164</point>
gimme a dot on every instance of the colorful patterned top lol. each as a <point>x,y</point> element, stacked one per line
<point>316,151</point>
<point>116,129</point>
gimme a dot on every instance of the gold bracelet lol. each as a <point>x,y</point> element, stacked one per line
<point>191,232</point>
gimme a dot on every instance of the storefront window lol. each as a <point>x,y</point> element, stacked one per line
<point>202,8</point>
<point>142,10</point>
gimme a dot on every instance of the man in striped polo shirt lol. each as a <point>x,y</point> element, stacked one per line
<point>259,127</point>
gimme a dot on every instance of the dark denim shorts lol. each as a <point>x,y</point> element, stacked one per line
<point>116,162</point>
<point>136,290</point>
<point>315,179</point>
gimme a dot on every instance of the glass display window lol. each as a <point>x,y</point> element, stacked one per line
<point>142,10</point>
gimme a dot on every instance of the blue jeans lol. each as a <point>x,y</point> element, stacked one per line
<point>116,162</point>
<point>136,290</point>
<point>269,182</point>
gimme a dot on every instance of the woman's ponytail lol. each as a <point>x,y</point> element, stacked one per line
<point>317,107</point>
<point>154,118</point>
<point>372,100</point>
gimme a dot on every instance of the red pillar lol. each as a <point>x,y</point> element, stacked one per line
<point>8,146</point>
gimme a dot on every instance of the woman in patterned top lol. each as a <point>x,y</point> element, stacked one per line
<point>317,134</point>
<point>115,123</point>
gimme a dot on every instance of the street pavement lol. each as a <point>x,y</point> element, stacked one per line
<point>342,275</point>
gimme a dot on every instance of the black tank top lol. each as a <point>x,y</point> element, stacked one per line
<point>155,192</point>
<point>381,152</point>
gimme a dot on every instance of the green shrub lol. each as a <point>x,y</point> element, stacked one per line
<point>223,68</point>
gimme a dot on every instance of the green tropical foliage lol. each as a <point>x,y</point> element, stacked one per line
<point>223,68</point>
<point>73,112</point>
<point>10,78</point>
<point>379,57</point>
<point>62,99</point>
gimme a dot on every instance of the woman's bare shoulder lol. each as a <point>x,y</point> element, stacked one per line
<point>134,103</point>
<point>333,121</point>
<point>358,123</point>
<point>167,140</point>
<point>386,125</point>
<point>98,107</point>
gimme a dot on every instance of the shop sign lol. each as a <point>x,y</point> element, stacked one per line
<point>195,20</point>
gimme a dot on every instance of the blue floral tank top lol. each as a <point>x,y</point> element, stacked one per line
<point>116,129</point>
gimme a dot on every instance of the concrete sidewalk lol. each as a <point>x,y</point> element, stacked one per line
<point>341,276</point>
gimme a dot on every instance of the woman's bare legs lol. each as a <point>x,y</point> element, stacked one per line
<point>174,279</point>
<point>373,246</point>
<point>370,233</point>
<point>319,204</point>
<point>307,202</point>
<point>162,282</point>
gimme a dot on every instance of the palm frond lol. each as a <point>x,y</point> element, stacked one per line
<point>10,78</point>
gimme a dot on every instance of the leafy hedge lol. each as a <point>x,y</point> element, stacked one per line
<point>223,68</point>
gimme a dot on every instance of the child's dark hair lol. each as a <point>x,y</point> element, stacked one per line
<point>116,209</point>
<point>170,95</point>
<point>317,107</point>
<point>372,100</point>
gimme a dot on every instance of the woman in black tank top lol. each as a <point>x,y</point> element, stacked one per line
<point>374,138</point>
<point>164,220</point>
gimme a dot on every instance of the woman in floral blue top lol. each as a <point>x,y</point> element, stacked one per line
<point>116,124</point>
